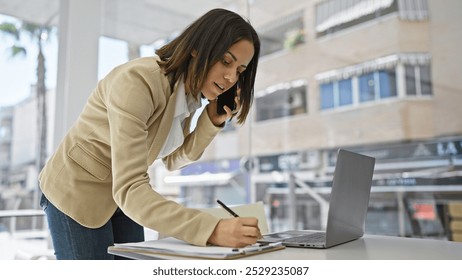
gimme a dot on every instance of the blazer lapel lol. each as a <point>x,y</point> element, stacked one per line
<point>164,127</point>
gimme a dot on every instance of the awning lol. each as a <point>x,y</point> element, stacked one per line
<point>334,12</point>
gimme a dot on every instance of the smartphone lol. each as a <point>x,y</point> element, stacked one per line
<point>227,98</point>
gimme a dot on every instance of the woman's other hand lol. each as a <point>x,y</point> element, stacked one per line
<point>236,232</point>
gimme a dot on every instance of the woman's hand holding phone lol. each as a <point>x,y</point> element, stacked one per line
<point>225,106</point>
<point>227,98</point>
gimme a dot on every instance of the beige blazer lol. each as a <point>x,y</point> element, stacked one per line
<point>103,160</point>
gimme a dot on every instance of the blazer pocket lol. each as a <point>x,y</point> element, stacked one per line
<point>89,162</point>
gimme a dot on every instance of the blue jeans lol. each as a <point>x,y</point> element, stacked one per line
<point>72,241</point>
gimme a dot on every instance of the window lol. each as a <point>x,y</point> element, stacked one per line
<point>285,33</point>
<point>418,80</point>
<point>281,100</point>
<point>335,94</point>
<point>387,83</point>
<point>377,85</point>
<point>345,92</point>
<point>3,132</point>
<point>410,80</point>
<point>327,96</point>
<point>375,80</point>
<point>366,87</point>
<point>425,80</point>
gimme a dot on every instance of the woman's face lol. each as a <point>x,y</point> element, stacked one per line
<point>225,73</point>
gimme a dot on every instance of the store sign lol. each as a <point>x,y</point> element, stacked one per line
<point>413,181</point>
<point>291,161</point>
<point>411,151</point>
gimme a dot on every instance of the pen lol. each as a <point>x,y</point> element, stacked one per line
<point>227,209</point>
<point>233,213</point>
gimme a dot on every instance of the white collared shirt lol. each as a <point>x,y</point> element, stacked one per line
<point>185,105</point>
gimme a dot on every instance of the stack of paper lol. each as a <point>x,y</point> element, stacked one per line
<point>174,247</point>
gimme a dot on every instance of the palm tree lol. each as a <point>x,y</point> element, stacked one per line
<point>38,34</point>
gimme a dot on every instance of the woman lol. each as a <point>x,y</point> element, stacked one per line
<point>96,189</point>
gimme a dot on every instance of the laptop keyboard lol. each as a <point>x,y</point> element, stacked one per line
<point>318,237</point>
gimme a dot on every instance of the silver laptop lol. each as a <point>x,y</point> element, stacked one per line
<point>347,208</point>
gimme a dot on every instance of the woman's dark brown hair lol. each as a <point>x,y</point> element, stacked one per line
<point>210,37</point>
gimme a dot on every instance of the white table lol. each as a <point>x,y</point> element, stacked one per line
<point>369,247</point>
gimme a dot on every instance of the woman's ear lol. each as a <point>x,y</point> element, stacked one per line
<point>193,53</point>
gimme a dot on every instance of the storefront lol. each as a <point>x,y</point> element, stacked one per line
<point>412,183</point>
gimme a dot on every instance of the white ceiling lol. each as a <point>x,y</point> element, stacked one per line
<point>146,21</point>
<point>137,21</point>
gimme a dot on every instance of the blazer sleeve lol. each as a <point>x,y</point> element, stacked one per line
<point>131,99</point>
